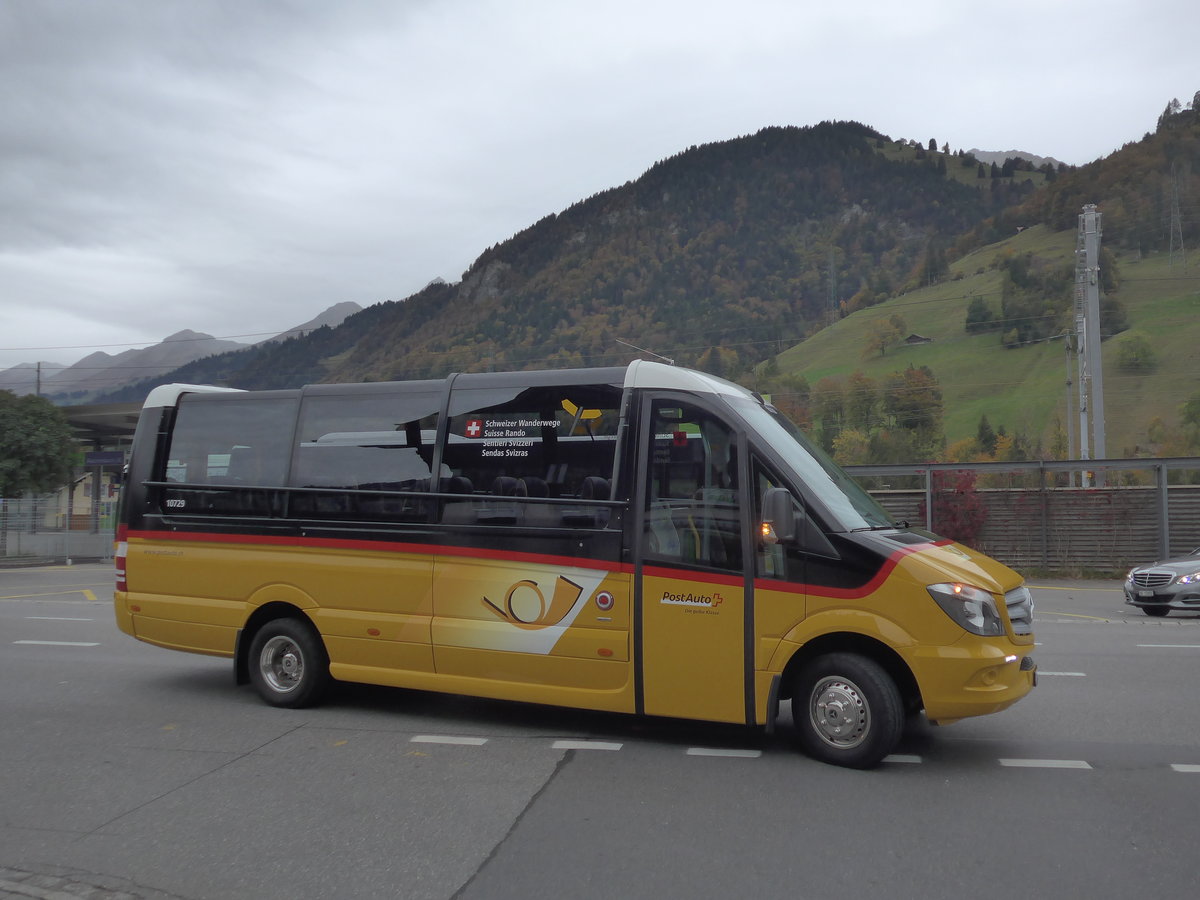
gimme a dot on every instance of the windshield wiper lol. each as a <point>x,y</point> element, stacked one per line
<point>891,526</point>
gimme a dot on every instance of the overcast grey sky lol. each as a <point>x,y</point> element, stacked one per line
<point>235,167</point>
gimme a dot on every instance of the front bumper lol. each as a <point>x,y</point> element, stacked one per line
<point>974,677</point>
<point>1172,597</point>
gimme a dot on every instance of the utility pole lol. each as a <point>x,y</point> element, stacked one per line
<point>1087,329</point>
<point>833,285</point>
<point>1068,423</point>
<point>1177,250</point>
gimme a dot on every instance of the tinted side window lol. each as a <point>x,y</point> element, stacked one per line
<point>551,448</point>
<point>373,442</point>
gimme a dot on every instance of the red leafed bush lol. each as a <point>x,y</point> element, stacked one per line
<point>958,510</point>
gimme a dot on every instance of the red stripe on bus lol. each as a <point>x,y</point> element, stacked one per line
<point>850,593</point>
<point>274,540</point>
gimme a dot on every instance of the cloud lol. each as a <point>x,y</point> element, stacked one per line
<point>235,168</point>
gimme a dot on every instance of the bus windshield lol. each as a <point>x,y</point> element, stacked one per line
<point>852,507</point>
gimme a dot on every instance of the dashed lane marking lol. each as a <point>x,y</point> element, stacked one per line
<point>718,751</point>
<point>1064,674</point>
<point>61,643</point>
<point>448,739</point>
<point>1185,767</point>
<point>1045,763</point>
<point>586,745</point>
<point>1174,646</point>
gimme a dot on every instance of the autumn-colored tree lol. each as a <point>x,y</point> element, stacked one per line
<point>852,447</point>
<point>883,333</point>
<point>829,410</point>
<point>862,399</point>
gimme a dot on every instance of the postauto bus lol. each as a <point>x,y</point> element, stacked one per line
<point>643,539</point>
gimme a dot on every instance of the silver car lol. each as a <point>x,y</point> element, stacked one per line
<point>1164,586</point>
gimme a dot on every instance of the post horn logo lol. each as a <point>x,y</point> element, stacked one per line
<point>525,605</point>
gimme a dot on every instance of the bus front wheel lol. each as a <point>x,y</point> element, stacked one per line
<point>847,710</point>
<point>288,664</point>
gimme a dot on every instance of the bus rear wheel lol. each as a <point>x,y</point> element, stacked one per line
<point>847,710</point>
<point>288,664</point>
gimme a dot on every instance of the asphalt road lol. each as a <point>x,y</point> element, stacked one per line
<point>130,771</point>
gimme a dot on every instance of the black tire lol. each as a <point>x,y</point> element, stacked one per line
<point>1156,611</point>
<point>288,664</point>
<point>847,710</point>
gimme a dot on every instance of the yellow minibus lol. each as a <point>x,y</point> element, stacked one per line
<point>643,539</point>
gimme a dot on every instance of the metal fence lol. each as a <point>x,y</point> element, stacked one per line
<point>1068,516</point>
<point>1031,515</point>
<point>54,528</point>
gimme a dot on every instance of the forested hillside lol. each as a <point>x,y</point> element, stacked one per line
<point>726,255</point>
<point>983,374</point>
<point>744,245</point>
<point>718,256</point>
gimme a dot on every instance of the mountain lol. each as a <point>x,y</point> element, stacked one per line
<point>25,378</point>
<point>101,375</point>
<point>747,244</point>
<point>727,254</point>
<point>333,316</point>
<point>1000,156</point>
<point>101,371</point>
<point>994,329</point>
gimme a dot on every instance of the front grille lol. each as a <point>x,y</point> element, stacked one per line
<point>1152,578</point>
<point>1020,610</point>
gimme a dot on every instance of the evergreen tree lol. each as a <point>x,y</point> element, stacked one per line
<point>985,437</point>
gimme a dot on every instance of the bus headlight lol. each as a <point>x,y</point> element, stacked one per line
<point>974,609</point>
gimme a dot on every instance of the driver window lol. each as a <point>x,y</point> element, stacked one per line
<point>692,510</point>
<point>777,561</point>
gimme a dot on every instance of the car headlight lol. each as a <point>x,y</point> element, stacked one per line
<point>1129,577</point>
<point>1190,578</point>
<point>973,609</point>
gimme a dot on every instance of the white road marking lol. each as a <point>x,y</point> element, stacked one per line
<point>61,643</point>
<point>717,751</point>
<point>1045,763</point>
<point>586,745</point>
<point>1185,767</point>
<point>447,739</point>
<point>1179,646</point>
<point>58,619</point>
<point>1064,674</point>
<point>902,758</point>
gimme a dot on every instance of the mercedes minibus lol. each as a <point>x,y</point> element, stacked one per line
<point>643,539</point>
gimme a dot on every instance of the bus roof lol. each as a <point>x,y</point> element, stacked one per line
<point>638,374</point>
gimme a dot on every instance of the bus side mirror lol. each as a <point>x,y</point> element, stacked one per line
<point>779,516</point>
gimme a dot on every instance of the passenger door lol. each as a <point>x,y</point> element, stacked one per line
<point>694,599</point>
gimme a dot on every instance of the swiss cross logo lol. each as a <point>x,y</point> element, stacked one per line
<point>474,428</point>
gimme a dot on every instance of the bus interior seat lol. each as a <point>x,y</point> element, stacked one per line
<point>593,488</point>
